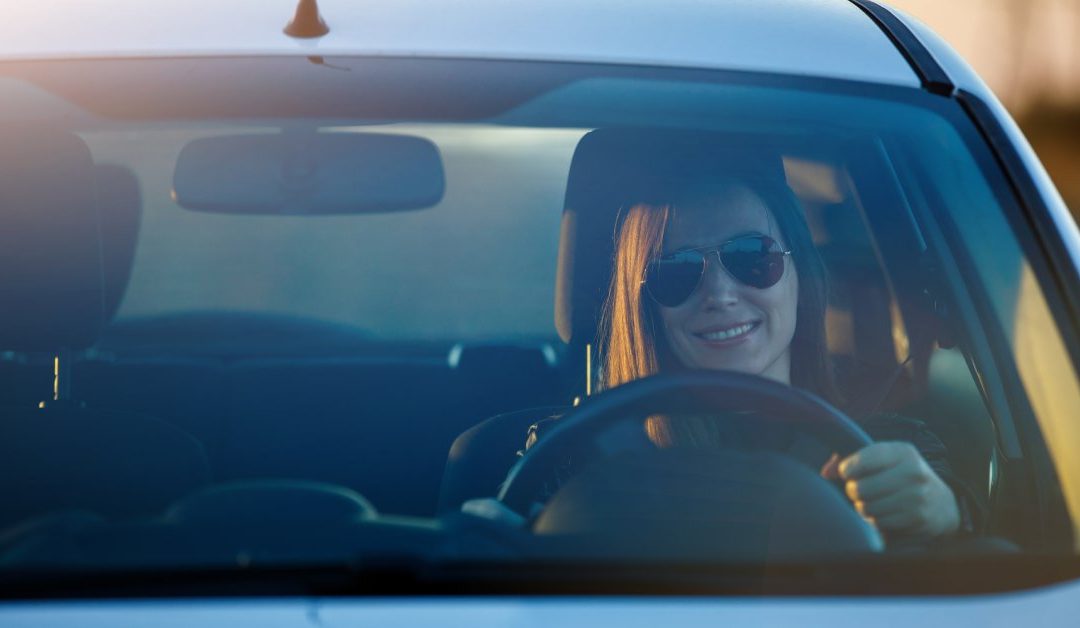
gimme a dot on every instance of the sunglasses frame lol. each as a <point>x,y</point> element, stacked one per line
<point>715,249</point>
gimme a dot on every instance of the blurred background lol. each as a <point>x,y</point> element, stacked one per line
<point>1028,51</point>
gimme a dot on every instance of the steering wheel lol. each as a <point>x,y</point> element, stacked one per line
<point>696,393</point>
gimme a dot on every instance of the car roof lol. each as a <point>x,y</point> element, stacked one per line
<point>827,38</point>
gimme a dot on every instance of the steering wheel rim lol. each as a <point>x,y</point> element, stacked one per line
<point>688,392</point>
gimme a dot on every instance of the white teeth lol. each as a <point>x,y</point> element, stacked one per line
<point>728,333</point>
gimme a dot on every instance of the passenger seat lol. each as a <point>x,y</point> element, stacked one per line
<point>57,455</point>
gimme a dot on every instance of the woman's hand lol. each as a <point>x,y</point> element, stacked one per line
<point>894,488</point>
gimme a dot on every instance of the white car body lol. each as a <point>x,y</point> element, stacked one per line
<point>811,38</point>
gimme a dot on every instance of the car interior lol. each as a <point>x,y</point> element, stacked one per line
<point>241,416</point>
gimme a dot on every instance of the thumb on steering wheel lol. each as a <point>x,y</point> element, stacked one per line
<point>831,469</point>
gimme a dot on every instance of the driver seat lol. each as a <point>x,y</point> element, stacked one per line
<point>610,169</point>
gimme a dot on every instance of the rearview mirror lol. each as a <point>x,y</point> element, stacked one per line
<point>308,173</point>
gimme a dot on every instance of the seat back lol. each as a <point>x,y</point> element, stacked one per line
<point>359,422</point>
<point>116,464</point>
<point>54,453</point>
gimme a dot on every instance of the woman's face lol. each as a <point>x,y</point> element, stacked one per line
<point>725,324</point>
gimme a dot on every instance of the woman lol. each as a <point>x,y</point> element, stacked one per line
<point>727,277</point>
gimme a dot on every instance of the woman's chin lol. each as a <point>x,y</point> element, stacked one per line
<point>746,353</point>
<point>725,359</point>
<point>742,358</point>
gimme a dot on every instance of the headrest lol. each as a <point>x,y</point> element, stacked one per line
<point>50,246</point>
<point>615,168</point>
<point>120,203</point>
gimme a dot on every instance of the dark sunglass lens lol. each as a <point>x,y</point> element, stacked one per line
<point>757,261</point>
<point>672,279</point>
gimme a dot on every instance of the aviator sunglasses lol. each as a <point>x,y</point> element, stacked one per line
<point>753,260</point>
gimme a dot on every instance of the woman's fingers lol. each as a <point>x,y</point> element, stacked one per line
<point>880,484</point>
<point>902,501</point>
<point>876,458</point>
<point>907,511</point>
<point>905,522</point>
<point>892,486</point>
<point>881,469</point>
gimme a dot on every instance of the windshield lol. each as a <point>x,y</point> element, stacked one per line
<point>643,314</point>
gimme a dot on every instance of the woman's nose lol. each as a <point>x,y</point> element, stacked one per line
<point>717,286</point>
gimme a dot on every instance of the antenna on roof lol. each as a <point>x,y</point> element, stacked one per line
<point>307,23</point>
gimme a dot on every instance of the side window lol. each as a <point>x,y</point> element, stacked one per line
<point>891,352</point>
<point>865,328</point>
<point>1045,379</point>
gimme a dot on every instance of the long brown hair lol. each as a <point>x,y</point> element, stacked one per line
<point>630,340</point>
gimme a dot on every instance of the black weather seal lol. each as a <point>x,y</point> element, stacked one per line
<point>930,73</point>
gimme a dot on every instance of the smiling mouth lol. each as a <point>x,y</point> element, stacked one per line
<point>728,333</point>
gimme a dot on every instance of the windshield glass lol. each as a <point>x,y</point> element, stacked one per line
<point>439,274</point>
<point>748,318</point>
